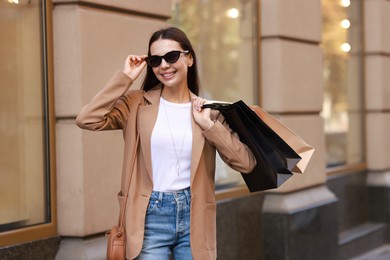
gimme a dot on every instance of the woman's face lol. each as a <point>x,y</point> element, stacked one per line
<point>175,74</point>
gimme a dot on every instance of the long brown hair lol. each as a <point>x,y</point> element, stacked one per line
<point>175,34</point>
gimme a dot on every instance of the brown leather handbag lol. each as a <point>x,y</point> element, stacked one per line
<point>116,244</point>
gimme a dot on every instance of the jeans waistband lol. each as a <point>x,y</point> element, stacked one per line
<point>161,195</point>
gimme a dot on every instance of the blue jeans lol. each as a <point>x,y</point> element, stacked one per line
<point>167,227</point>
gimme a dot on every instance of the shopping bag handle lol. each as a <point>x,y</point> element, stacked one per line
<point>217,106</point>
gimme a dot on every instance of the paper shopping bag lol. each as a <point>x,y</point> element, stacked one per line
<point>275,154</point>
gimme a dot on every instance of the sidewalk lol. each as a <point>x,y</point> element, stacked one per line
<point>380,253</point>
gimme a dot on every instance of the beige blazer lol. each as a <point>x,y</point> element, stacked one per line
<point>135,111</point>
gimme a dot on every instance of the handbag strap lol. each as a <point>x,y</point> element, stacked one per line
<point>122,211</point>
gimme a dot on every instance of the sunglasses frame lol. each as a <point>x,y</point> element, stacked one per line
<point>149,59</point>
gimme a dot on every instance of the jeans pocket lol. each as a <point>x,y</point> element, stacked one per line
<point>151,206</point>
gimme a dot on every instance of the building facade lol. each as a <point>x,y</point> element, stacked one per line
<point>337,209</point>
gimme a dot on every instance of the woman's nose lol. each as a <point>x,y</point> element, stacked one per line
<point>164,64</point>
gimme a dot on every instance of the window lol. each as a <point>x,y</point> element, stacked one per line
<point>224,36</point>
<point>343,81</point>
<point>25,127</point>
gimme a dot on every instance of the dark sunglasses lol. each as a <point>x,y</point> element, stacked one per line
<point>170,57</point>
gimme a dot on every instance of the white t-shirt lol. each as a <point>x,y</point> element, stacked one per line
<point>171,163</point>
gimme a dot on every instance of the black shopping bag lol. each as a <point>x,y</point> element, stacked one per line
<point>275,158</point>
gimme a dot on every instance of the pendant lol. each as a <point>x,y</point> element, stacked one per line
<point>178,168</point>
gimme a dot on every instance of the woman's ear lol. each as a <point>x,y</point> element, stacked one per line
<point>190,60</point>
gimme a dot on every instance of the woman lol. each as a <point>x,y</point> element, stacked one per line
<point>171,206</point>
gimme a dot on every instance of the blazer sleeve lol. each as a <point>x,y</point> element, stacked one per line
<point>232,151</point>
<point>110,108</point>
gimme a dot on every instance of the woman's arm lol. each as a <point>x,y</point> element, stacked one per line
<point>110,108</point>
<point>232,151</point>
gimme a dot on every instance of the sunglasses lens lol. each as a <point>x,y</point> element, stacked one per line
<point>172,56</point>
<point>154,61</point>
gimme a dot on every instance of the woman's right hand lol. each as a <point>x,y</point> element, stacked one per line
<point>134,65</point>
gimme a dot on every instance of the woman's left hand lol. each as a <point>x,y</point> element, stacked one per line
<point>201,116</point>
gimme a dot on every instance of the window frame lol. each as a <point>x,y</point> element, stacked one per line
<point>241,190</point>
<point>45,230</point>
<point>355,168</point>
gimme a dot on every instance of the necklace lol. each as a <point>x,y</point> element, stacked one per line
<point>177,166</point>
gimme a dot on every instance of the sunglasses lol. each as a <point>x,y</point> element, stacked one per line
<point>170,57</point>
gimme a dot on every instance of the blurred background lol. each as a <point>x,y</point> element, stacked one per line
<point>320,67</point>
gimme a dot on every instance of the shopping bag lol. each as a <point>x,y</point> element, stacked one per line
<point>276,159</point>
<point>303,149</point>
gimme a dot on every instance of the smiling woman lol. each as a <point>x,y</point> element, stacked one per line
<point>170,195</point>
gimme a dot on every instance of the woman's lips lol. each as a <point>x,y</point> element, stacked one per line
<point>168,75</point>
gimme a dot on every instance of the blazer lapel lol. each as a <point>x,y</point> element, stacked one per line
<point>147,116</point>
<point>197,145</point>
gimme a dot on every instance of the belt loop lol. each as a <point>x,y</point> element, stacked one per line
<point>187,193</point>
<point>160,198</point>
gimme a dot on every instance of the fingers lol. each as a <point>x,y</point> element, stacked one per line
<point>201,116</point>
<point>134,65</point>
<point>197,103</point>
<point>136,59</point>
